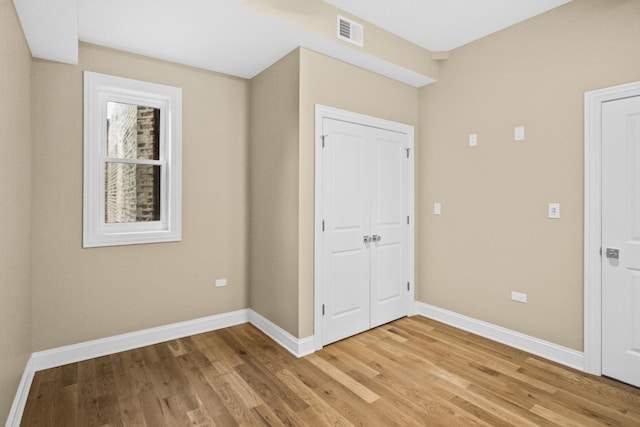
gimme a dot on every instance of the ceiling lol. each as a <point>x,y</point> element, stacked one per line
<point>226,36</point>
<point>443,25</point>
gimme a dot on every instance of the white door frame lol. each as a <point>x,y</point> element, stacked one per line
<point>347,116</point>
<point>593,219</point>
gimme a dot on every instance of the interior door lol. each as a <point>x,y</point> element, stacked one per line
<point>621,240</point>
<point>365,255</point>
<point>346,263</point>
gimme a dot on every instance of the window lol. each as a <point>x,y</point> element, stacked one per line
<point>132,161</point>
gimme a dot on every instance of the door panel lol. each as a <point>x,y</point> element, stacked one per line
<point>390,183</point>
<point>390,264</point>
<point>621,230</point>
<point>346,189</point>
<point>346,214</point>
<point>347,270</point>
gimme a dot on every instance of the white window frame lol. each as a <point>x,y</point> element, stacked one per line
<point>98,90</point>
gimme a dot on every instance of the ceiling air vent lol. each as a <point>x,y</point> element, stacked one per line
<point>350,31</point>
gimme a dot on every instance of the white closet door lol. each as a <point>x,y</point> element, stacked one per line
<point>365,256</point>
<point>389,257</point>
<point>346,203</point>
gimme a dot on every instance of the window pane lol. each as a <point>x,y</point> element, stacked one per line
<point>133,131</point>
<point>132,193</point>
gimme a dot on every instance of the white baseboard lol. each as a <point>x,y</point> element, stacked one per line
<point>297,347</point>
<point>101,347</point>
<point>17,408</point>
<point>557,353</point>
<point>104,346</point>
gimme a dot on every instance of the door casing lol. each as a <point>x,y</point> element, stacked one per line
<point>593,219</point>
<point>321,112</point>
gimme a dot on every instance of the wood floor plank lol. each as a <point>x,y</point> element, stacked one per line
<point>319,408</point>
<point>151,409</point>
<point>230,399</point>
<point>39,401</point>
<point>66,411</point>
<point>559,419</point>
<point>87,394</point>
<point>485,416</point>
<point>209,399</point>
<point>129,403</point>
<point>411,404</point>
<point>348,405</point>
<point>315,416</point>
<point>106,392</point>
<point>349,362</point>
<point>134,362</point>
<point>200,418</point>
<point>284,403</point>
<point>593,410</point>
<point>410,372</point>
<point>344,379</point>
<point>266,414</point>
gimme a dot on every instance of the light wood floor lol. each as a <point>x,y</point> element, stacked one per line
<point>413,371</point>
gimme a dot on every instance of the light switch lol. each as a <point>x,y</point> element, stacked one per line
<point>437,208</point>
<point>518,133</point>
<point>518,296</point>
<point>473,140</point>
<point>554,210</point>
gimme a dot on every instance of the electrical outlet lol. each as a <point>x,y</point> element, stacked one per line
<point>437,208</point>
<point>473,140</point>
<point>221,282</point>
<point>518,297</point>
<point>554,210</point>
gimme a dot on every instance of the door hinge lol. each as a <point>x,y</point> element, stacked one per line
<point>323,309</point>
<point>323,225</point>
<point>408,286</point>
<point>323,138</point>
<point>601,251</point>
<point>407,219</point>
<point>408,149</point>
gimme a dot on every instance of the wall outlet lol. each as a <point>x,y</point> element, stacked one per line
<point>554,210</point>
<point>221,282</point>
<point>518,296</point>
<point>473,140</point>
<point>437,208</point>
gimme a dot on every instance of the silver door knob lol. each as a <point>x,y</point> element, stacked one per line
<point>611,253</point>
<point>367,239</point>
<point>376,238</point>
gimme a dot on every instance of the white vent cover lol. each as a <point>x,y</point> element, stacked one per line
<point>350,31</point>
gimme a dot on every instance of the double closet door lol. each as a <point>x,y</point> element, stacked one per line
<point>365,258</point>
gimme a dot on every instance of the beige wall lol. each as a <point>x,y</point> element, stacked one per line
<point>493,235</point>
<point>283,99</point>
<point>15,205</point>
<point>83,294</point>
<point>274,192</point>
<point>325,81</point>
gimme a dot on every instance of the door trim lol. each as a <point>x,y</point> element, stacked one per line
<point>593,219</point>
<point>322,112</point>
